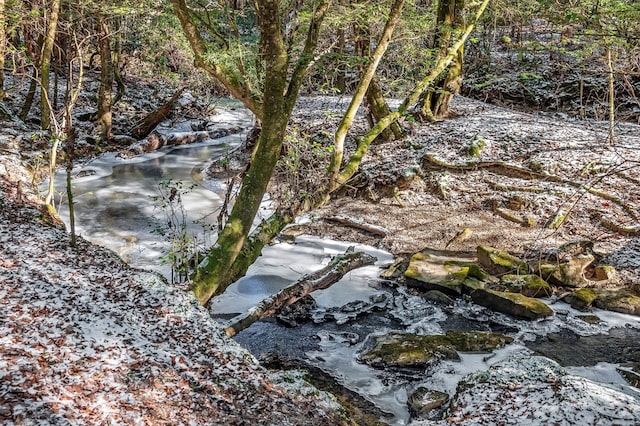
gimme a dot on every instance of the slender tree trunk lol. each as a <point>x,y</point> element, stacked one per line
<point>31,93</point>
<point>612,96</point>
<point>106,80</point>
<point>3,45</point>
<point>450,20</point>
<point>45,64</point>
<point>360,93</point>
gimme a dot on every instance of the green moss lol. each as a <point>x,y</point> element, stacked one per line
<point>529,285</point>
<point>406,350</point>
<point>497,261</point>
<point>586,295</point>
<point>477,341</point>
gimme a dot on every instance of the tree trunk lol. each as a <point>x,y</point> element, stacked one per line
<point>435,101</point>
<point>3,45</point>
<point>360,93</point>
<point>212,276</point>
<point>103,116</point>
<point>216,271</point>
<point>379,108</point>
<point>45,64</point>
<point>324,278</point>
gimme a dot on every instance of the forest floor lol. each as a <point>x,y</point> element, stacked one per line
<point>70,312</point>
<point>532,170</point>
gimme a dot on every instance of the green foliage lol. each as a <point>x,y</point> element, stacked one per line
<point>185,244</point>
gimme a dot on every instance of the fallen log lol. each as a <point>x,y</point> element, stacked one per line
<point>324,278</point>
<point>145,126</point>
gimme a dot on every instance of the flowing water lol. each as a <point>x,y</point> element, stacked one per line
<point>115,207</point>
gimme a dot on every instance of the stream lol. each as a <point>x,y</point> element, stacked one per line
<point>115,208</point>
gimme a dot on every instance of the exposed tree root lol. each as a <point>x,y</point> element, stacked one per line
<point>630,231</point>
<point>359,224</point>
<point>510,170</point>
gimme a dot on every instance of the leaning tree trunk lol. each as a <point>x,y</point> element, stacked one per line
<point>104,120</point>
<point>213,274</point>
<point>45,64</point>
<point>435,101</point>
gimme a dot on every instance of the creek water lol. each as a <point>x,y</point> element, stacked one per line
<point>115,207</point>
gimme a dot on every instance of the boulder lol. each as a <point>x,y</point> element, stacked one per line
<point>499,262</point>
<point>439,270</point>
<point>622,300</point>
<point>529,285</point>
<point>574,264</point>
<point>625,301</point>
<point>581,299</point>
<point>534,390</point>
<point>477,341</point>
<point>407,350</point>
<point>514,304</point>
<point>423,400</point>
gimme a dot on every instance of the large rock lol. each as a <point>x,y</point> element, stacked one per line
<point>528,285</point>
<point>424,400</point>
<point>406,350</point>
<point>477,341</point>
<point>623,301</point>
<point>626,301</point>
<point>512,304</point>
<point>440,270</point>
<point>499,262</point>
<point>575,264</point>
<point>537,391</point>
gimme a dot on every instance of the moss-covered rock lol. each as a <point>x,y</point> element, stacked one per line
<point>423,400</point>
<point>514,304</point>
<point>406,350</point>
<point>581,299</point>
<point>499,262</point>
<point>623,301</point>
<point>439,270</point>
<point>529,285</point>
<point>477,341</point>
<point>590,319</point>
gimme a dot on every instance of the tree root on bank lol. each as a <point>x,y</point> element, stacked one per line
<point>321,279</point>
<point>359,224</point>
<point>629,231</point>
<point>498,167</point>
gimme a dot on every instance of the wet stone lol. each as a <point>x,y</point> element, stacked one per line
<point>438,270</point>
<point>511,304</point>
<point>528,285</point>
<point>477,341</point>
<point>499,262</point>
<point>424,400</point>
<point>406,350</point>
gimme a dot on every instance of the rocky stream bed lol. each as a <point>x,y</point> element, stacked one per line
<point>394,348</point>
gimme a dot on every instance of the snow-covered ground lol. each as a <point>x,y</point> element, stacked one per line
<point>85,339</point>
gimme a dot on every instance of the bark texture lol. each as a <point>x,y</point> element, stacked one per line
<point>321,279</point>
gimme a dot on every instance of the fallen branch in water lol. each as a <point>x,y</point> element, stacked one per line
<point>324,278</point>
